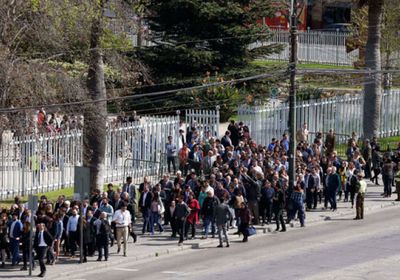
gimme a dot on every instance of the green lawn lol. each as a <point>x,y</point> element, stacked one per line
<point>51,196</point>
<point>272,63</point>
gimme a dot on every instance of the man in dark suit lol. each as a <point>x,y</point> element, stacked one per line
<point>43,240</point>
<point>129,188</point>
<point>144,206</point>
<point>15,233</point>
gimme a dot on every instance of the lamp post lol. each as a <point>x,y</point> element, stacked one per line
<point>292,94</point>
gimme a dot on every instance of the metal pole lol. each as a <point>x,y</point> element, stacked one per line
<point>30,244</point>
<point>292,95</point>
<point>81,230</point>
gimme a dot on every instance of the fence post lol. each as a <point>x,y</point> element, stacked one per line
<point>337,46</point>
<point>217,118</point>
<point>308,44</point>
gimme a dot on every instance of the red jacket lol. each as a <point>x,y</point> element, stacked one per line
<point>194,213</point>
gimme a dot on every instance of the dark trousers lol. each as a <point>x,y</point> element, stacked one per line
<point>102,244</point>
<point>360,206</point>
<point>14,245</point>
<point>73,239</point>
<point>173,227</point>
<point>41,254</point>
<point>25,257</point>
<point>332,199</point>
<point>387,183</point>
<point>169,161</point>
<point>279,219</point>
<point>243,229</point>
<point>146,220</point>
<point>309,198</point>
<point>207,222</point>
<point>326,197</point>
<point>180,229</point>
<point>377,171</point>
<point>367,169</point>
<point>253,207</point>
<point>299,209</point>
<point>187,227</point>
<point>266,211</point>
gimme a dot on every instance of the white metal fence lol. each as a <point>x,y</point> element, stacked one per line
<point>41,163</point>
<point>315,47</point>
<point>206,121</point>
<point>342,113</point>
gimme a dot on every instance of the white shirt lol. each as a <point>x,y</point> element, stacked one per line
<point>42,243</point>
<point>122,219</point>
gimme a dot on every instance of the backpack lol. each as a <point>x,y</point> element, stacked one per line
<point>105,228</point>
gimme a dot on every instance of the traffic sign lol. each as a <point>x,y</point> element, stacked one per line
<point>32,202</point>
<point>274,92</point>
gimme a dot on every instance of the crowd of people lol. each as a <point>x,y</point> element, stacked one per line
<point>218,185</point>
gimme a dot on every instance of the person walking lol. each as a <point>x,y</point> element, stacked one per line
<point>245,218</point>
<point>144,205</point>
<point>15,233</point>
<point>361,190</point>
<point>376,165</point>
<point>43,240</point>
<point>222,216</point>
<point>171,154</point>
<point>72,231</point>
<point>180,213</point>
<point>297,198</point>
<point>267,195</point>
<point>103,232</point>
<point>193,218</point>
<point>208,213</point>
<point>157,209</point>
<point>387,176</point>
<point>26,239</point>
<point>278,204</point>
<point>122,219</point>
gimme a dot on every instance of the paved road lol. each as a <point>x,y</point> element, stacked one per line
<point>336,249</point>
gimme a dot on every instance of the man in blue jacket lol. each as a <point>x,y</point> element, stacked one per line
<point>15,231</point>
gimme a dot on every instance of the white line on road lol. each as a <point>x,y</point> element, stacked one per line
<point>125,269</point>
<point>171,272</point>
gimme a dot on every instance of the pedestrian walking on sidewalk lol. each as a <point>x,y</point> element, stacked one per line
<point>180,213</point>
<point>222,216</point>
<point>122,219</point>
<point>43,240</point>
<point>103,232</point>
<point>361,190</point>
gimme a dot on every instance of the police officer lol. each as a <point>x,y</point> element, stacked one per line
<point>361,189</point>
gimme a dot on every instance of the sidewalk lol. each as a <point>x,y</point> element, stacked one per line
<point>149,247</point>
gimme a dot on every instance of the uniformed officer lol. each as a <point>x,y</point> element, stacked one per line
<point>361,189</point>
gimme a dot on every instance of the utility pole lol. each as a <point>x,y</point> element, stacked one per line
<point>292,94</point>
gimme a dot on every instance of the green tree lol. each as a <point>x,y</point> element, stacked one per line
<point>192,37</point>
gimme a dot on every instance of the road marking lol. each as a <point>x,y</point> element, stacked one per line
<point>125,269</point>
<point>171,272</point>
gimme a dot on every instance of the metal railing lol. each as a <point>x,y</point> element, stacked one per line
<point>314,47</point>
<point>41,163</point>
<point>343,114</point>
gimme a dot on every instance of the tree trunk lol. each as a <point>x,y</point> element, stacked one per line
<point>373,85</point>
<point>95,114</point>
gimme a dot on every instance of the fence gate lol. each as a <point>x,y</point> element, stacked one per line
<point>205,121</point>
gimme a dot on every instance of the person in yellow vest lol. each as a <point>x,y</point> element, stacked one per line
<point>361,189</point>
<point>397,181</point>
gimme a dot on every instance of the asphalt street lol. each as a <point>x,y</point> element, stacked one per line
<point>335,249</point>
